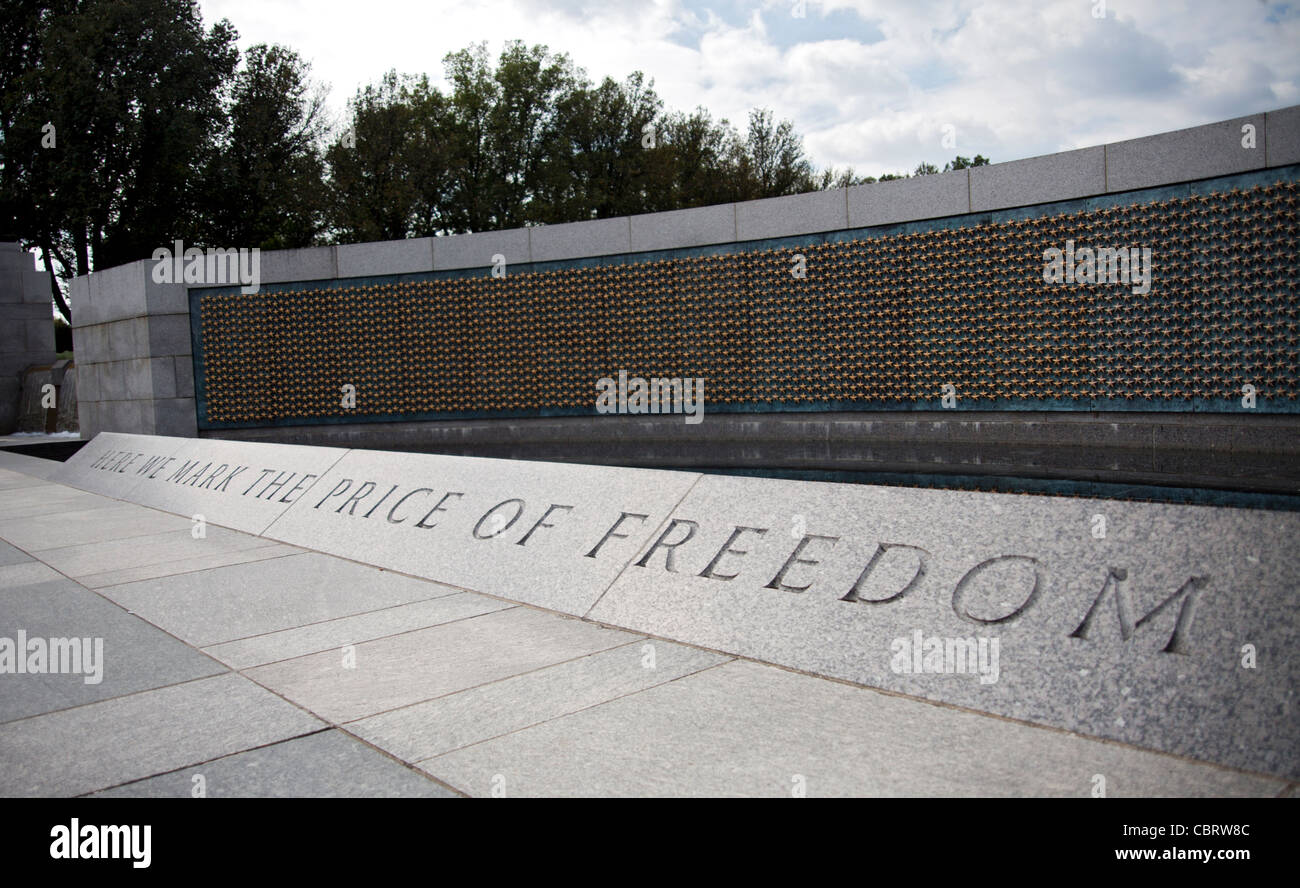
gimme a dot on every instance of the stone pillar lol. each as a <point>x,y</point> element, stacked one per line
<point>26,326</point>
<point>135,370</point>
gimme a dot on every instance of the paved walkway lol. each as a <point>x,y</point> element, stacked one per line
<point>238,667</point>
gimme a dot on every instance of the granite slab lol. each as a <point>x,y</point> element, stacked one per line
<point>403,669</point>
<point>82,526</point>
<point>331,635</point>
<point>549,534</point>
<point>227,603</point>
<point>244,485</point>
<point>503,707</point>
<point>328,764</point>
<point>111,463</point>
<point>88,559</point>
<point>105,744</point>
<point>745,729</point>
<point>103,651</point>
<point>204,561</point>
<point>1171,627</point>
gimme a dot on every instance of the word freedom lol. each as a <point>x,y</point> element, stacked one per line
<point>658,395</point>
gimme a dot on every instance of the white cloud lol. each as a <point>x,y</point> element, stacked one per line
<point>871,85</point>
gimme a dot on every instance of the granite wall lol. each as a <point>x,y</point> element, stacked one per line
<point>135,345</point>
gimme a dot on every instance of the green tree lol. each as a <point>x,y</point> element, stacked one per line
<point>109,125</point>
<point>373,178</point>
<point>771,160</point>
<point>604,160</point>
<point>265,182</point>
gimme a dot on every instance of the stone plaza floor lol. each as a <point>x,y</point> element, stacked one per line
<point>236,666</point>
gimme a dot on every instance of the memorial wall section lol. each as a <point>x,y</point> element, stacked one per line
<point>958,324</point>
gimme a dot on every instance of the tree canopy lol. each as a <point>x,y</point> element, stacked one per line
<point>128,124</point>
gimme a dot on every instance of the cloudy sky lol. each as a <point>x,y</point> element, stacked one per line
<point>869,83</point>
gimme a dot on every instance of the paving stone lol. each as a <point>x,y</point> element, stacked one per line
<point>744,729</point>
<point>428,663</point>
<point>1138,635</point>
<point>447,723</point>
<point>105,744</point>
<point>28,465</point>
<point>27,573</point>
<point>227,603</point>
<point>126,654</point>
<point>11,481</point>
<point>12,555</point>
<point>94,525</point>
<point>333,634</point>
<point>110,556</point>
<point>520,530</point>
<point>47,499</point>
<point>326,765</point>
<point>186,565</point>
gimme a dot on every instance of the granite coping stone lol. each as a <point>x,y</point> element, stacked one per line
<point>1199,152</point>
<point>385,257</point>
<point>1123,620</point>
<point>794,214</point>
<point>549,534</point>
<point>1053,177</point>
<point>243,485</point>
<point>573,240</point>
<point>906,200</point>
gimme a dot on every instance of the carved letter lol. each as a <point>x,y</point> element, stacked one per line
<point>613,532</point>
<point>778,581</point>
<point>708,572</point>
<point>691,527</point>
<point>958,592</point>
<point>881,548</point>
<point>1190,591</point>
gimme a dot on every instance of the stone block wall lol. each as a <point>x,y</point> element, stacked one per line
<point>26,326</point>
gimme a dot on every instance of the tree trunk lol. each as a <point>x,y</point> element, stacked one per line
<point>55,290</point>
